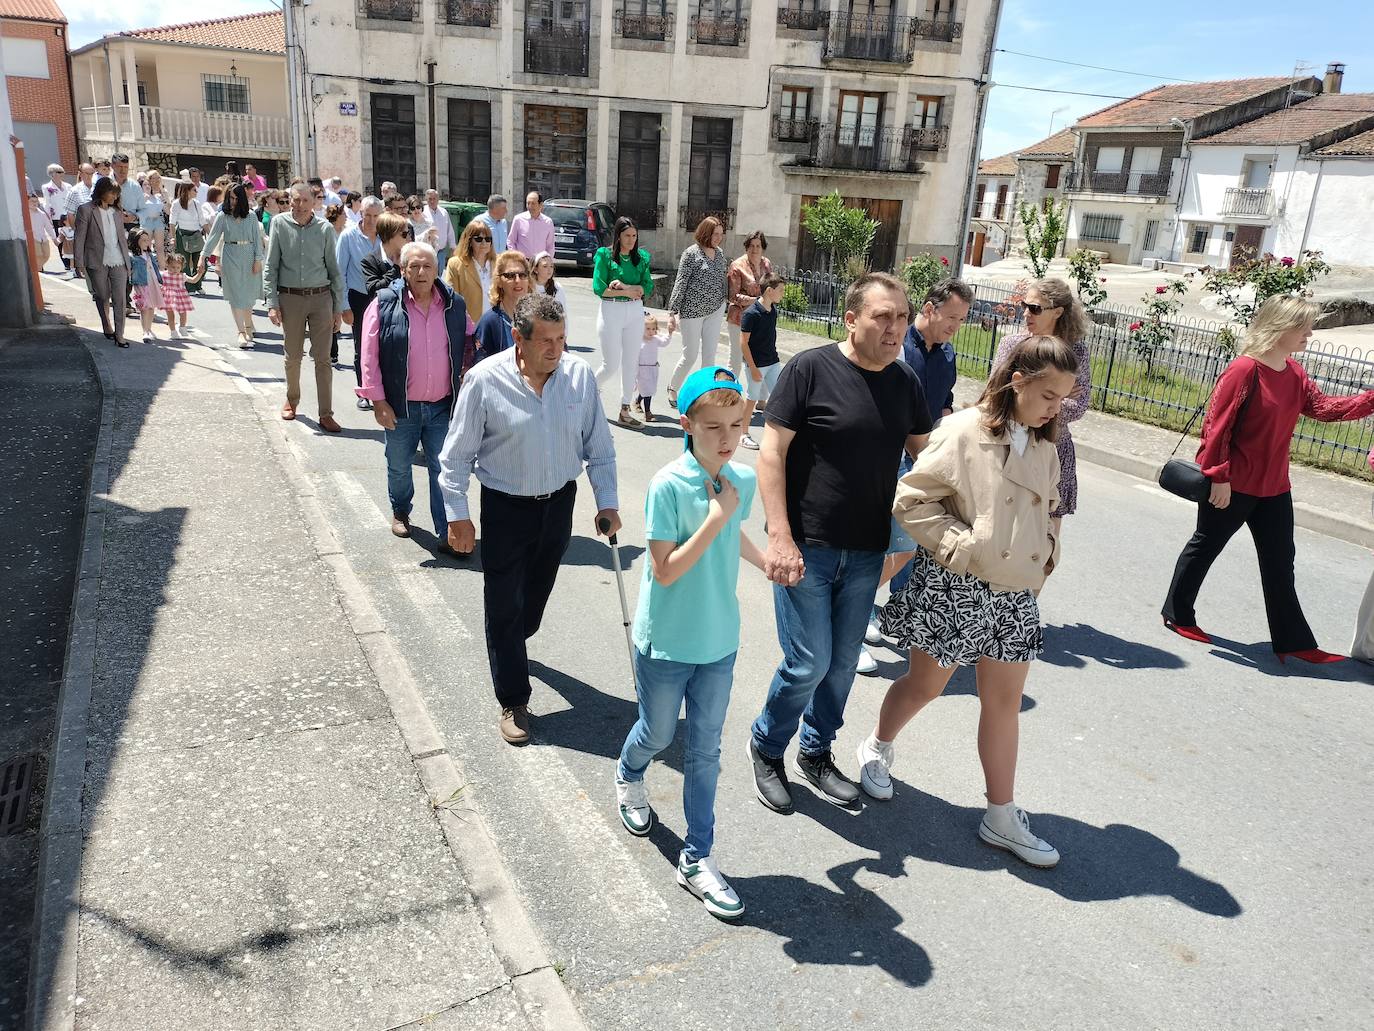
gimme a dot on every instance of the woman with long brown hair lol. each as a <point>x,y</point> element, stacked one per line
<point>188,229</point>
<point>470,270</point>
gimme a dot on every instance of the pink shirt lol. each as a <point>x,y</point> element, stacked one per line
<point>428,370</point>
<point>259,183</point>
<point>530,236</point>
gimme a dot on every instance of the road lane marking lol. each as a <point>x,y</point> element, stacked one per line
<point>1150,488</point>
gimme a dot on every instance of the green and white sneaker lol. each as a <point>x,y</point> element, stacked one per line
<point>703,880</point>
<point>635,812</point>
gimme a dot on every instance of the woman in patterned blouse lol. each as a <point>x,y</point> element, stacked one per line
<point>697,304</point>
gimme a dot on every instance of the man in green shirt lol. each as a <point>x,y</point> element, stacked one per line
<point>305,295</point>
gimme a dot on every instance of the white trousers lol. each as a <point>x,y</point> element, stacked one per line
<point>736,350</point>
<point>699,337</point>
<point>1363,648</point>
<point>620,325</point>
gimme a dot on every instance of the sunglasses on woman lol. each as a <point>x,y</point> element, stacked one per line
<point>1034,309</point>
<point>515,275</point>
<point>481,239</point>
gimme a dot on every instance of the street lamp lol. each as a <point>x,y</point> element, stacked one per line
<point>1053,115</point>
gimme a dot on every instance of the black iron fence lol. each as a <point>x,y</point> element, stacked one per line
<point>391,10</point>
<point>720,32</point>
<point>1162,384</point>
<point>480,13</point>
<point>656,27</point>
<point>792,130</point>
<point>689,218</point>
<point>1132,184</point>
<point>560,51</point>
<point>859,147</point>
<point>870,38</point>
<point>942,30</point>
<point>790,18</point>
<point>646,216</point>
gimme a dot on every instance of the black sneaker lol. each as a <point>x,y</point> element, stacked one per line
<point>826,778</point>
<point>770,780</point>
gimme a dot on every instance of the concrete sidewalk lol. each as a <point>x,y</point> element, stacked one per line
<point>252,822</point>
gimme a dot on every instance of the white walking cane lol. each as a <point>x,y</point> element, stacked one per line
<point>604,525</point>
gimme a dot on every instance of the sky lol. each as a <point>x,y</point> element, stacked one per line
<point>87,22</point>
<point>1164,39</point>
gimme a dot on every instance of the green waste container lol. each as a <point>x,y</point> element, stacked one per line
<point>461,212</point>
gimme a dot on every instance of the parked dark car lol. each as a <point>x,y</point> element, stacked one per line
<point>579,228</point>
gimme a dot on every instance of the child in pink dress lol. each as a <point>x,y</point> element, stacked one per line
<point>647,381</point>
<point>147,280</point>
<point>174,295</point>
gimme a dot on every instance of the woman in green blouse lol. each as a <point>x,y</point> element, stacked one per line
<point>622,280</point>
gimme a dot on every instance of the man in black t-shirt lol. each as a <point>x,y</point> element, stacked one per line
<point>836,427</point>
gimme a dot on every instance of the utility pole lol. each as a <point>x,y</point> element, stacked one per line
<point>293,76</point>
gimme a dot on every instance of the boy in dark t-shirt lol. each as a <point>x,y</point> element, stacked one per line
<point>759,346</point>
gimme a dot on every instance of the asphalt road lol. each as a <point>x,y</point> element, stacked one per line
<point>1207,801</point>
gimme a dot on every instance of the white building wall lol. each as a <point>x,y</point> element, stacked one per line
<point>1342,222</point>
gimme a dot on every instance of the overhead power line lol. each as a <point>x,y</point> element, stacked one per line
<point>1094,67</point>
<point>1366,108</point>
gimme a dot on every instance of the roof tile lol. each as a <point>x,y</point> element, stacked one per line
<point>264,32</point>
<point>1062,144</point>
<point>1299,123</point>
<point>1357,146</point>
<point>1182,100</point>
<point>1004,165</point>
<point>32,10</point>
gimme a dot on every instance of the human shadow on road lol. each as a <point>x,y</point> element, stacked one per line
<point>1099,863</point>
<point>963,682</point>
<point>1260,657</point>
<point>354,432</point>
<point>846,926</point>
<point>1073,646</point>
<point>596,552</point>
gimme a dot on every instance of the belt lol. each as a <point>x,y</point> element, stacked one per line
<point>620,298</point>
<point>239,243</point>
<point>304,291</point>
<point>533,497</point>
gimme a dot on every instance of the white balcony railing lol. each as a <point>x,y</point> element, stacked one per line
<point>1248,202</point>
<point>188,129</point>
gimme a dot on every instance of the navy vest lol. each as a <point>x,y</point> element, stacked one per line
<point>393,321</point>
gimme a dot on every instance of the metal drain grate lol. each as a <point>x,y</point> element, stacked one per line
<point>16,780</point>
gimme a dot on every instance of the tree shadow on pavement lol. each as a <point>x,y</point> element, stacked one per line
<point>1073,646</point>
<point>1099,864</point>
<point>1260,657</point>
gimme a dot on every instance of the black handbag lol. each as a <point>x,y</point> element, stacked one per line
<point>1183,477</point>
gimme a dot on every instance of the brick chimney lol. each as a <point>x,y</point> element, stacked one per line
<point>1335,72</point>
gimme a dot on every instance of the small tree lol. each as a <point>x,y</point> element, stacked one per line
<point>1045,231</point>
<point>1085,269</point>
<point>841,232</point>
<point>1262,278</point>
<point>1154,332</point>
<point>921,273</point>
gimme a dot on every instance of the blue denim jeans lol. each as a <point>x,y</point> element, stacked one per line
<point>662,687</point>
<point>821,623</point>
<point>426,424</point>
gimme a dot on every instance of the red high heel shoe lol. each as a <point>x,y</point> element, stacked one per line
<point>1192,633</point>
<point>1312,655</point>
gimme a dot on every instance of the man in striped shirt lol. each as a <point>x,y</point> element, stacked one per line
<point>528,420</point>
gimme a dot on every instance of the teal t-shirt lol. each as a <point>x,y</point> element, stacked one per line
<point>696,619</point>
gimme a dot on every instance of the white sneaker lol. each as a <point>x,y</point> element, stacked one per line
<point>874,633</point>
<point>868,665</point>
<point>749,442</point>
<point>635,812</point>
<point>875,761</point>
<point>703,880</point>
<point>1008,826</point>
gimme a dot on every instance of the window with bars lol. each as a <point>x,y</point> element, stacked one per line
<point>709,187</point>
<point>1102,228</point>
<point>1197,243</point>
<point>224,93</point>
<point>636,180</point>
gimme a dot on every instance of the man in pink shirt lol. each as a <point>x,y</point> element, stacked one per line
<point>531,231</point>
<point>415,336</point>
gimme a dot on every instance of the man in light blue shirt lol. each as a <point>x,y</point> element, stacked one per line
<point>356,243</point>
<point>528,420</point>
<point>495,219</point>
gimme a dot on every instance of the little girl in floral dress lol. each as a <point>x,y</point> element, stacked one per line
<point>175,299</point>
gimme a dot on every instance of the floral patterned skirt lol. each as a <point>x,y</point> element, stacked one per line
<point>957,619</point>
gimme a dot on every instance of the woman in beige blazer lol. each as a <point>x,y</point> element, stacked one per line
<point>100,252</point>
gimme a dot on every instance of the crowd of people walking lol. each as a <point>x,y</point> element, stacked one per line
<point>866,471</point>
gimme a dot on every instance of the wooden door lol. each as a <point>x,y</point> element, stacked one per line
<point>882,256</point>
<point>1246,244</point>
<point>556,151</point>
<point>856,129</point>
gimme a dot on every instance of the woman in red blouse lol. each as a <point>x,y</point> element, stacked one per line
<point>1244,452</point>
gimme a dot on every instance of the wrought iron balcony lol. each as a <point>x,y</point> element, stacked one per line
<point>930,137</point>
<point>1126,184</point>
<point>864,38</point>
<point>657,27</point>
<point>860,149</point>
<point>720,32</point>
<point>391,10</point>
<point>689,218</point>
<point>943,30</point>
<point>1248,202</point>
<point>792,130</point>
<point>791,18</point>
<point>482,13</point>
<point>560,51</point>
<point>646,216</point>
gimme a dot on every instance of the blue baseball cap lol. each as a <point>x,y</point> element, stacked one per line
<point>703,381</point>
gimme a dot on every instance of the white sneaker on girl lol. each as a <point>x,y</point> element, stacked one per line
<point>875,764</point>
<point>1008,826</point>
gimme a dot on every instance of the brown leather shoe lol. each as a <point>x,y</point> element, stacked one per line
<point>329,425</point>
<point>400,524</point>
<point>515,725</point>
<point>288,412</point>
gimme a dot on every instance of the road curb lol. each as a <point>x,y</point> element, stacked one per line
<point>52,974</point>
<point>545,1000</point>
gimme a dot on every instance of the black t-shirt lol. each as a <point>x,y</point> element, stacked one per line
<point>851,426</point>
<point>762,327</point>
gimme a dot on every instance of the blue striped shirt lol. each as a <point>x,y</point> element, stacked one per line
<point>352,248</point>
<point>522,443</point>
<point>500,230</point>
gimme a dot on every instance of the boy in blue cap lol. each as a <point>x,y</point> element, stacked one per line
<point>686,629</point>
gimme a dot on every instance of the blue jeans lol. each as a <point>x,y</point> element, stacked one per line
<point>821,623</point>
<point>662,687</point>
<point>426,424</point>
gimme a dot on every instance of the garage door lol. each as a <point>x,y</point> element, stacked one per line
<point>40,148</point>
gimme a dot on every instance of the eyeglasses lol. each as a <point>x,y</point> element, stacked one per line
<point>481,239</point>
<point>515,275</point>
<point>1036,309</point>
<point>408,233</point>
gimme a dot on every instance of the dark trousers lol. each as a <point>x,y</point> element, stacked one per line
<point>357,304</point>
<point>1271,525</point>
<point>523,541</point>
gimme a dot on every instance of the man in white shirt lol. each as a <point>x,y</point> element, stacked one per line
<point>202,189</point>
<point>437,218</point>
<point>56,192</point>
<point>332,186</point>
